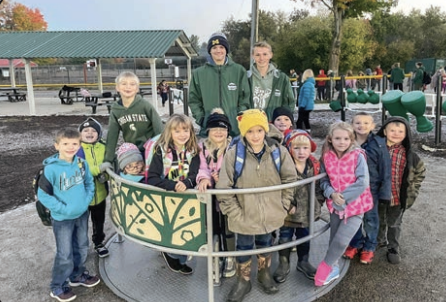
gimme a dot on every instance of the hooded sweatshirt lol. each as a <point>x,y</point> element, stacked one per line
<point>271,91</point>
<point>73,188</point>
<point>139,122</point>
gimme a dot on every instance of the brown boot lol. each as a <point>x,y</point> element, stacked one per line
<point>243,285</point>
<point>264,275</point>
<point>283,269</point>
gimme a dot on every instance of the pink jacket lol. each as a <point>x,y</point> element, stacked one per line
<point>207,165</point>
<point>342,174</point>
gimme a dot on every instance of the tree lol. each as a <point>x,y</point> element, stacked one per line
<point>341,10</point>
<point>195,42</point>
<point>18,17</point>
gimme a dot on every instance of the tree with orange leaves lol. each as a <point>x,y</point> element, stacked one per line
<point>18,17</point>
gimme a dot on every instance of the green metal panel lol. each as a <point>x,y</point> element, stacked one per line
<point>163,218</point>
<point>430,65</point>
<point>93,44</point>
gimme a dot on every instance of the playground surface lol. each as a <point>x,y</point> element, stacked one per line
<point>27,247</point>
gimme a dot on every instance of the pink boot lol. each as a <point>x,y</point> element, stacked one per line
<point>322,273</point>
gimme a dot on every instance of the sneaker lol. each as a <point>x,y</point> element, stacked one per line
<point>393,256</point>
<point>185,269</point>
<point>334,274</point>
<point>86,280</point>
<point>101,250</point>
<point>381,245</point>
<point>366,257</point>
<point>350,252</point>
<point>65,296</point>
<point>173,264</point>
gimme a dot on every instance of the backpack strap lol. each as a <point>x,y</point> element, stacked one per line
<point>149,147</point>
<point>240,154</point>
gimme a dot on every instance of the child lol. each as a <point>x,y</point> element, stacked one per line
<point>378,162</point>
<point>131,114</point>
<point>408,171</point>
<point>300,145</point>
<point>346,188</point>
<point>174,167</point>
<point>163,90</point>
<point>306,101</point>
<point>213,149</point>
<point>131,163</point>
<point>283,120</point>
<point>73,190</point>
<point>93,150</point>
<point>254,216</point>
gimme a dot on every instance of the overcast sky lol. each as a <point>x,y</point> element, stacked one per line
<point>195,17</point>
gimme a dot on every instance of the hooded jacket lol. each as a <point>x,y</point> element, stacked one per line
<point>307,95</point>
<point>280,93</point>
<point>94,155</point>
<point>414,171</point>
<point>419,75</point>
<point>255,214</point>
<point>321,74</point>
<point>219,86</point>
<point>139,122</point>
<point>73,188</point>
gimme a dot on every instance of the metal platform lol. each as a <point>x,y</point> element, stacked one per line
<point>138,273</point>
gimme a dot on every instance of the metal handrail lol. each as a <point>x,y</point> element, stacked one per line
<point>206,197</point>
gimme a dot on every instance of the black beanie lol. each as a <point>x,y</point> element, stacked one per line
<point>282,111</point>
<point>218,39</point>
<point>91,122</point>
<point>217,119</point>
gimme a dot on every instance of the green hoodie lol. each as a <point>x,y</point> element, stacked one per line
<point>280,93</point>
<point>219,86</point>
<point>139,122</point>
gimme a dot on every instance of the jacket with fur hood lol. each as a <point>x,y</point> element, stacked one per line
<point>414,171</point>
<point>255,214</point>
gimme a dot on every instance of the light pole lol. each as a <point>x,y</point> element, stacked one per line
<point>254,26</point>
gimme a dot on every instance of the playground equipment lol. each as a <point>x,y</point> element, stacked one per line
<point>181,223</point>
<point>362,97</point>
<point>415,103</point>
<point>392,102</point>
<point>373,97</point>
<point>399,104</point>
<point>351,96</point>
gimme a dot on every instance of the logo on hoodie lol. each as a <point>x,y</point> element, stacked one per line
<point>232,87</point>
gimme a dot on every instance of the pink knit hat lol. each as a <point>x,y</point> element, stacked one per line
<point>128,153</point>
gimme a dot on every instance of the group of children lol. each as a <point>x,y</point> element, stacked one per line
<point>370,180</point>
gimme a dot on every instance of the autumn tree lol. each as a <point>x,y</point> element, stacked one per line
<point>18,17</point>
<point>341,10</point>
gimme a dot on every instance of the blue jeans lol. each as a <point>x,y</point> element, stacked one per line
<point>369,240</point>
<point>71,251</point>
<point>181,258</point>
<point>286,235</point>
<point>249,242</point>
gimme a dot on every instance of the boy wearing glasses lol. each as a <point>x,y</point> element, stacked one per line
<point>130,162</point>
<point>134,116</point>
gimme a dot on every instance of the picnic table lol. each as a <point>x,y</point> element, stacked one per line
<point>145,90</point>
<point>68,94</point>
<point>13,94</point>
<point>100,99</point>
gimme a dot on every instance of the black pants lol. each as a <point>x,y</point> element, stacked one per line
<point>398,86</point>
<point>164,97</point>
<point>97,214</point>
<point>321,92</point>
<point>303,119</point>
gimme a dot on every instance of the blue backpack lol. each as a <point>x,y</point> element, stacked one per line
<point>240,151</point>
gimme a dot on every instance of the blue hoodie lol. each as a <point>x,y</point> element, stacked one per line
<point>73,188</point>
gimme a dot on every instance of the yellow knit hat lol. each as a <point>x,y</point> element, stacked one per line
<point>251,118</point>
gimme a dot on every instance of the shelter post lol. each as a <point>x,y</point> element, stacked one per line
<point>29,87</point>
<point>189,70</point>
<point>99,70</point>
<point>153,82</point>
<point>12,73</point>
